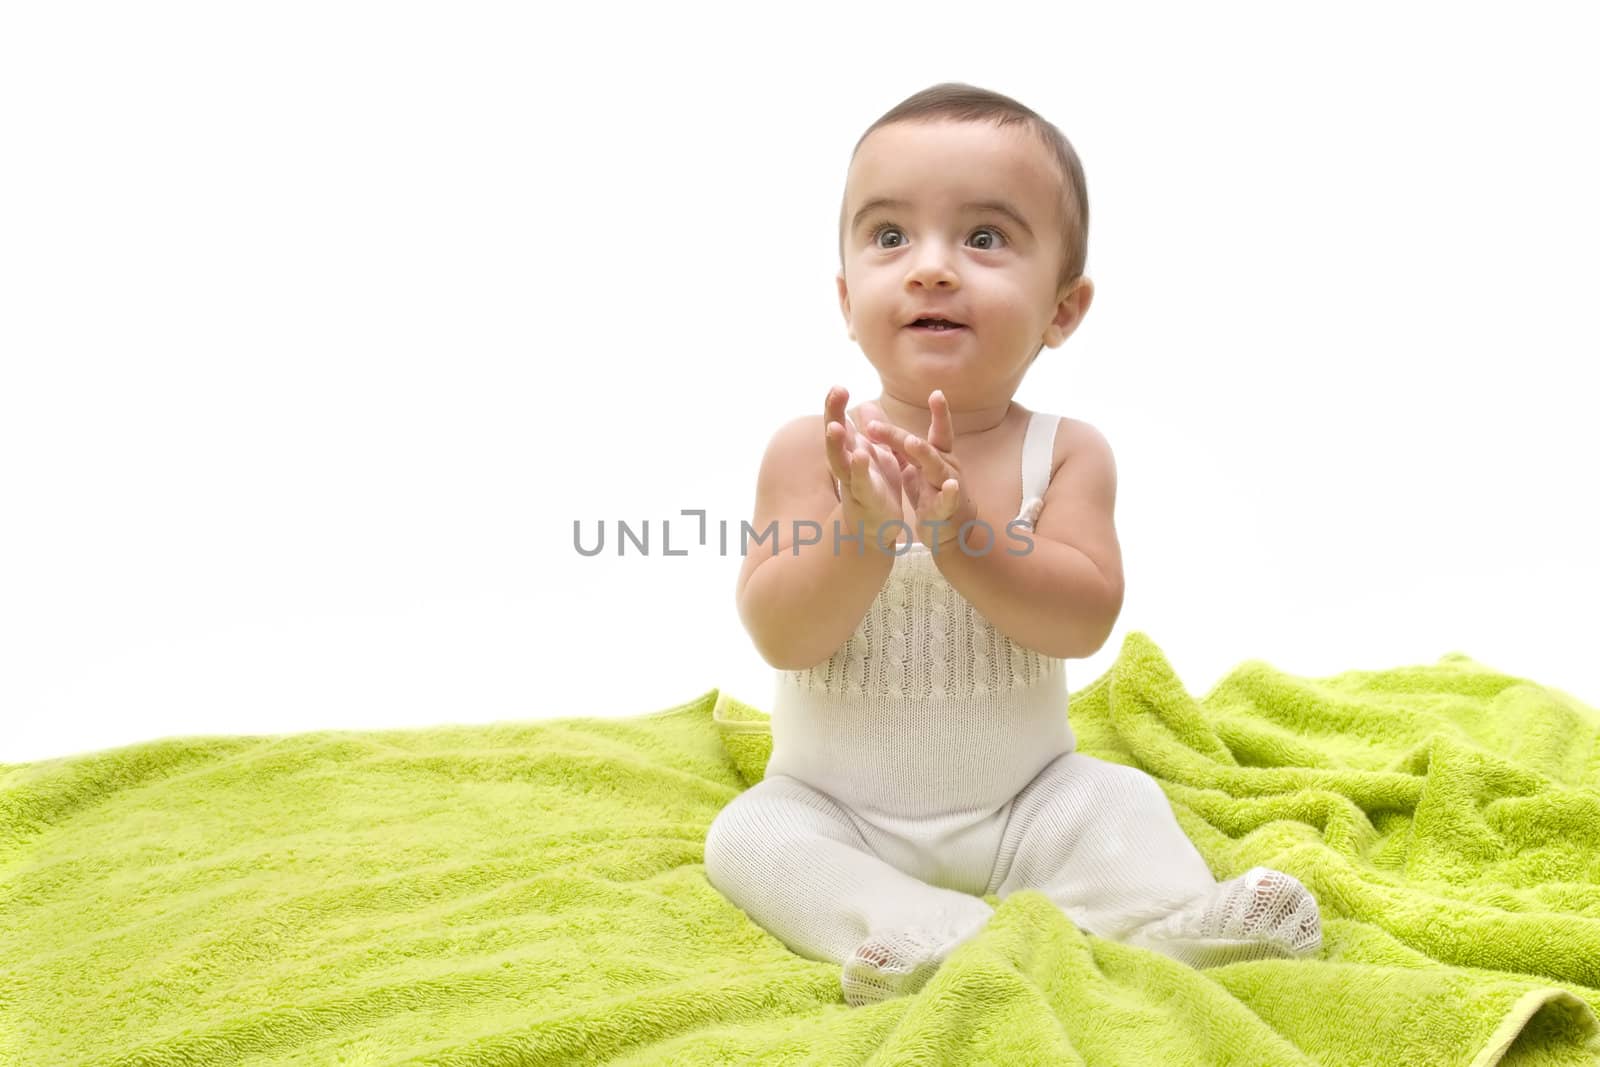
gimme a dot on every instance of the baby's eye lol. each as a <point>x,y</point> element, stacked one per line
<point>889,226</point>
<point>990,229</point>
<point>880,230</point>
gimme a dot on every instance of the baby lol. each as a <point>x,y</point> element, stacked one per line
<point>936,562</point>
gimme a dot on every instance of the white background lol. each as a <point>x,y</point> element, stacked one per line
<point>322,323</point>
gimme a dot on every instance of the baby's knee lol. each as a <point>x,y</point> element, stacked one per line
<point>1139,788</point>
<point>751,825</point>
<point>728,837</point>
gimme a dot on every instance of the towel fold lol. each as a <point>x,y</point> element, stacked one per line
<point>533,893</point>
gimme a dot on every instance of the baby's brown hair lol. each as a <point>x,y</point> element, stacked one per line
<point>957,101</point>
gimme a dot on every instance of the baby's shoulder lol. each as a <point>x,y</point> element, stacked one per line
<point>797,434</point>
<point>1078,441</point>
<point>797,445</point>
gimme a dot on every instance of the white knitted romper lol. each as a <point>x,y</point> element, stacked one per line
<point>929,762</point>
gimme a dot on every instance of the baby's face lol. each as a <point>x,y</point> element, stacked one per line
<point>993,269</point>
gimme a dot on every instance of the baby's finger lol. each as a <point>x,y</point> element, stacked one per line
<point>892,438</point>
<point>888,434</point>
<point>859,459</point>
<point>941,430</point>
<point>886,461</point>
<point>838,397</point>
<point>838,454</point>
<point>833,404</point>
<point>860,468</point>
<point>949,496</point>
<point>927,459</point>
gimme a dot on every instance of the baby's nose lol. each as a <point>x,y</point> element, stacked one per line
<point>935,276</point>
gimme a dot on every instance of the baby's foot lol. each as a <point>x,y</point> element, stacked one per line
<point>1282,911</point>
<point>890,965</point>
<point>1262,907</point>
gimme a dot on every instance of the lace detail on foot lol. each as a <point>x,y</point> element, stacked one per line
<point>890,965</point>
<point>1261,907</point>
<point>1276,908</point>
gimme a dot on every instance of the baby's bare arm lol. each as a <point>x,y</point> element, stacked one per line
<point>799,608</point>
<point>1063,596</point>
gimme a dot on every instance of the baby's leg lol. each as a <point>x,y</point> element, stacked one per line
<point>1101,840</point>
<point>793,860</point>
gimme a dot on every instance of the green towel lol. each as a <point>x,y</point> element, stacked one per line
<point>533,893</point>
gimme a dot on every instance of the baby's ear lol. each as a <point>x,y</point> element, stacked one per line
<point>844,304</point>
<point>1073,307</point>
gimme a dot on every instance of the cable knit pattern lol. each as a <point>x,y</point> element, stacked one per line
<point>927,707</point>
<point>939,645</point>
<point>896,619</point>
<point>965,654</point>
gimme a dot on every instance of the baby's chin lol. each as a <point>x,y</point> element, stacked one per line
<point>919,376</point>
<point>963,345</point>
<point>917,359</point>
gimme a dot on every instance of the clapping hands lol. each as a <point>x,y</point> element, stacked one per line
<point>930,474</point>
<point>885,463</point>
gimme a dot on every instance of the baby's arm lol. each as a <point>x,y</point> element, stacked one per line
<point>799,609</point>
<point>1063,596</point>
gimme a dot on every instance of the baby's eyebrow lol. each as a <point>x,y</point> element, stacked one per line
<point>997,206</point>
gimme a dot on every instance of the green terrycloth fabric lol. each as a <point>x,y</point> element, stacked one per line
<point>533,893</point>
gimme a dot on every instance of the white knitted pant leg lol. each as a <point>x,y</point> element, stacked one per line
<point>794,861</point>
<point>1101,840</point>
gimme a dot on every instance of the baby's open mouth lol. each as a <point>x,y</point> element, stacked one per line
<point>937,324</point>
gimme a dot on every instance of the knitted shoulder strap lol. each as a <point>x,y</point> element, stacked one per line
<point>1038,450</point>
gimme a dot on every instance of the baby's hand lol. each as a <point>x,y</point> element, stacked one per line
<point>868,473</point>
<point>932,475</point>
